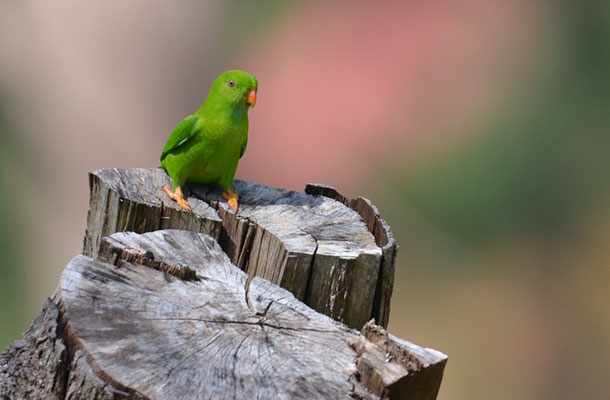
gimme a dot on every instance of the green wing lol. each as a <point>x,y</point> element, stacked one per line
<point>182,134</point>
<point>243,149</point>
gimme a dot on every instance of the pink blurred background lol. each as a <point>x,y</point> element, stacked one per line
<point>479,128</point>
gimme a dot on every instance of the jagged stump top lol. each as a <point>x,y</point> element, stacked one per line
<point>317,247</point>
<point>154,312</point>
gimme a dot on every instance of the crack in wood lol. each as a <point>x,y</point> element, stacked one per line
<point>107,338</point>
<point>234,375</point>
<point>190,356</point>
<point>260,238</point>
<point>384,239</point>
<point>251,323</point>
<point>117,256</point>
<point>73,346</point>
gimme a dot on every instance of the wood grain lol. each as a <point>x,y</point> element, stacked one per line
<point>383,238</point>
<point>133,324</point>
<point>154,313</point>
<point>395,368</point>
<point>182,339</point>
<point>326,253</point>
<point>36,365</point>
<point>168,337</point>
<point>133,200</point>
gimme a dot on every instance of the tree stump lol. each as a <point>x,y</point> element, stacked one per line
<point>333,253</point>
<point>168,314</point>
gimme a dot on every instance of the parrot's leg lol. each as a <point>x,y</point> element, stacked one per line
<point>178,197</point>
<point>231,195</point>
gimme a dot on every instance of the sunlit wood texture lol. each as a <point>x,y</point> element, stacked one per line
<point>166,315</point>
<point>333,253</point>
<point>166,303</point>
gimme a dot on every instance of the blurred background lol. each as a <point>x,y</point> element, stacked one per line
<point>480,128</point>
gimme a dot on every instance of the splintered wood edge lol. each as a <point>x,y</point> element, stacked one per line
<point>318,248</point>
<point>395,368</point>
<point>333,276</point>
<point>398,359</point>
<point>34,365</point>
<point>123,199</point>
<point>314,351</point>
<point>51,358</point>
<point>384,239</point>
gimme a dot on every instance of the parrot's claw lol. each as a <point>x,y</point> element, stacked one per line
<point>178,197</point>
<point>231,195</point>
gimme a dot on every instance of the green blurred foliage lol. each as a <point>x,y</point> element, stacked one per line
<point>499,260</point>
<point>12,284</point>
<point>532,174</point>
<point>248,20</point>
<point>539,167</point>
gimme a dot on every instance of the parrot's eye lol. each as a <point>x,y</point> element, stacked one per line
<point>232,83</point>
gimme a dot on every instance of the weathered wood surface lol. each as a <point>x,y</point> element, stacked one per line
<point>395,368</point>
<point>167,315</point>
<point>170,314</point>
<point>333,253</point>
<point>383,238</point>
<point>133,200</point>
<point>36,366</point>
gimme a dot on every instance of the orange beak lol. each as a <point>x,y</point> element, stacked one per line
<point>251,98</point>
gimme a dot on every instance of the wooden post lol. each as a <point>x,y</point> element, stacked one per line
<point>153,312</point>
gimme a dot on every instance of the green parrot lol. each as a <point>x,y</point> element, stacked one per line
<point>206,146</point>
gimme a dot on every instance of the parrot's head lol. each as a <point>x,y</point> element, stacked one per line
<point>236,89</point>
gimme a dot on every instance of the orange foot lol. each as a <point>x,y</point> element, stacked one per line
<point>177,197</point>
<point>231,195</point>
